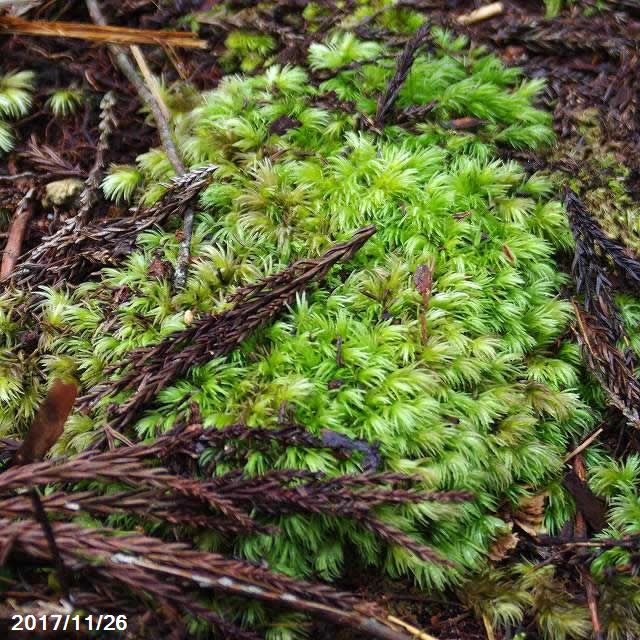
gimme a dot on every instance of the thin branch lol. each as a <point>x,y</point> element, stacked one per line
<point>581,447</point>
<point>151,369</point>
<point>17,231</point>
<point>127,68</point>
<point>403,66</point>
<point>184,251</point>
<point>150,79</point>
<point>483,13</point>
<point>100,33</point>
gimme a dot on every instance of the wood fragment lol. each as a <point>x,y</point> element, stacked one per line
<point>17,232</point>
<point>483,13</point>
<point>100,33</point>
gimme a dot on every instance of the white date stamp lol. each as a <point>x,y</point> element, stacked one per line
<point>68,622</point>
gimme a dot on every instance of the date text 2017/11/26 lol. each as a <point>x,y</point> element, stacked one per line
<point>67,622</point>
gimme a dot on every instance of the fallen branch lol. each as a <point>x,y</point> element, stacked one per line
<point>403,66</point>
<point>150,565</point>
<point>100,33</point>
<point>75,250</point>
<point>608,365</point>
<point>150,95</point>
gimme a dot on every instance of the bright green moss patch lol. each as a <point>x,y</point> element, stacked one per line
<point>482,396</point>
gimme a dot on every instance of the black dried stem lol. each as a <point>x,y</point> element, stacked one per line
<point>589,231</point>
<point>106,126</point>
<point>590,265</point>
<point>608,365</point>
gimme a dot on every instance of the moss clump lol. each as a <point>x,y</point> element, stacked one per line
<point>15,101</point>
<point>475,391</point>
<point>597,171</point>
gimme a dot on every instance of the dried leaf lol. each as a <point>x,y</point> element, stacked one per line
<point>530,514</point>
<point>48,424</point>
<point>503,545</point>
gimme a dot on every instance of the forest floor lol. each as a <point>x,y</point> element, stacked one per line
<point>590,61</point>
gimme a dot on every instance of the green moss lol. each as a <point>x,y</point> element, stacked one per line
<point>488,402</point>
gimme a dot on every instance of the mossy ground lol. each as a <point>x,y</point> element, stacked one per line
<point>489,398</point>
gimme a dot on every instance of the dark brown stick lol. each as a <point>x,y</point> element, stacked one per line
<point>17,231</point>
<point>403,66</point>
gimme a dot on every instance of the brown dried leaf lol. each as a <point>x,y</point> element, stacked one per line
<point>503,545</point>
<point>48,424</point>
<point>507,252</point>
<point>530,514</point>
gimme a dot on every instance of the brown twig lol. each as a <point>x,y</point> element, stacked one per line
<point>75,250</point>
<point>582,446</point>
<point>403,66</point>
<point>127,68</point>
<point>41,517</point>
<point>150,565</point>
<point>608,365</point>
<point>483,13</point>
<point>17,231</point>
<point>100,33</point>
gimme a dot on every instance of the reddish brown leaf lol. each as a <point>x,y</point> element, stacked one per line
<point>47,426</point>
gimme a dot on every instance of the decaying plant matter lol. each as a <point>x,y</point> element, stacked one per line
<point>223,504</point>
<point>152,369</point>
<point>413,417</point>
<point>75,251</point>
<point>601,327</point>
